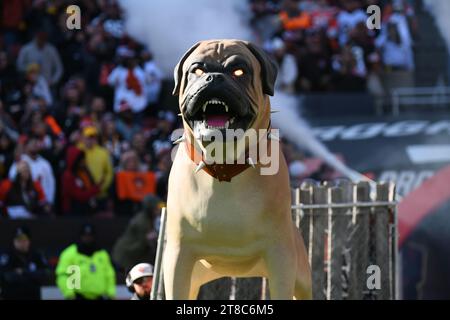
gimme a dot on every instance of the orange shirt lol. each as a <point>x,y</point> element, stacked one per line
<point>135,185</point>
<point>302,21</point>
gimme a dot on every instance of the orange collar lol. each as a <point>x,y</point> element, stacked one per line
<point>222,171</point>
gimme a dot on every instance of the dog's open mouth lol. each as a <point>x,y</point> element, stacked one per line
<point>218,114</point>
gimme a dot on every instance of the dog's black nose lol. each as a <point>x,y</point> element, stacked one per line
<point>216,77</point>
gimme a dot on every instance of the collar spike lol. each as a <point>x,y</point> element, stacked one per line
<point>179,140</point>
<point>273,137</point>
<point>200,166</point>
<point>250,162</point>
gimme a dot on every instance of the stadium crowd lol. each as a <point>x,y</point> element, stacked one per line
<point>82,129</point>
<point>84,132</point>
<point>326,45</point>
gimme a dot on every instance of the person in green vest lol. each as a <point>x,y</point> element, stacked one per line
<point>84,271</point>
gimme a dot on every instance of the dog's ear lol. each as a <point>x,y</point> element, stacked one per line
<point>269,68</point>
<point>178,71</point>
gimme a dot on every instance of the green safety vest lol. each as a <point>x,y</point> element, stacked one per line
<point>91,276</point>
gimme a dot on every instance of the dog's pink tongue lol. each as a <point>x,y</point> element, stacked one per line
<point>216,120</point>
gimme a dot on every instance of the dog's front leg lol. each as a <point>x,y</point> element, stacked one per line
<point>178,266</point>
<point>281,270</point>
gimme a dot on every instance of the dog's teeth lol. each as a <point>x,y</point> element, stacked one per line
<point>226,107</point>
<point>204,106</point>
<point>231,120</point>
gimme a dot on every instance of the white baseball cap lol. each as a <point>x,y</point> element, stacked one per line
<point>138,271</point>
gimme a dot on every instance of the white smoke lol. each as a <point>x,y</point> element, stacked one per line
<point>170,27</point>
<point>440,9</point>
<point>296,130</point>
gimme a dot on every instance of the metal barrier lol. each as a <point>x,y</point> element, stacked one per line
<point>428,96</point>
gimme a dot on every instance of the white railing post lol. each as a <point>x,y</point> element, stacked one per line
<point>157,282</point>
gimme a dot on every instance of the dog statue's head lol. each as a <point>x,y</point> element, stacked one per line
<point>224,84</point>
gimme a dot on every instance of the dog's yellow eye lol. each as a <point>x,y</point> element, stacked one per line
<point>238,72</point>
<point>198,72</point>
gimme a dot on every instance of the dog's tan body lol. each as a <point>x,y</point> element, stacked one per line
<point>241,228</point>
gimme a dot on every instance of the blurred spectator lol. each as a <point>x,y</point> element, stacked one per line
<point>292,17</point>
<point>323,16</point>
<point>153,78</point>
<point>9,77</point>
<point>96,110</point>
<point>395,44</point>
<point>111,138</point>
<point>21,196</point>
<point>39,86</point>
<point>98,161</point>
<point>125,124</point>
<point>8,137</point>
<point>128,80</point>
<point>44,54</point>
<point>7,124</point>
<point>12,19</point>
<point>159,140</point>
<point>140,280</point>
<point>288,70</point>
<point>162,173</point>
<point>6,152</point>
<point>396,48</point>
<point>22,270</point>
<point>349,18</point>
<point>41,169</point>
<point>349,70</point>
<point>144,155</point>
<point>71,109</point>
<point>265,20</point>
<point>315,63</point>
<point>139,241</point>
<point>111,19</point>
<point>133,183</point>
<point>403,8</point>
<point>78,188</point>
<point>97,276</point>
<point>43,127</point>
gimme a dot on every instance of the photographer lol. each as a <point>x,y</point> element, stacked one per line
<point>140,280</point>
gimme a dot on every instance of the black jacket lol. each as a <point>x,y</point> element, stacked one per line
<point>21,275</point>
